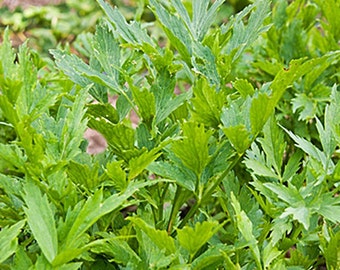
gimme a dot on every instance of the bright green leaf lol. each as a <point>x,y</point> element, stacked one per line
<point>192,239</point>
<point>9,240</point>
<point>40,218</point>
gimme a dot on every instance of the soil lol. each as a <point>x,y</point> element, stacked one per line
<point>12,4</point>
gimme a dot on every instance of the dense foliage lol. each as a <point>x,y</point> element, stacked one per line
<point>232,162</point>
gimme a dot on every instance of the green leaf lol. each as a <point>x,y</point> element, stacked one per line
<point>118,176</point>
<point>193,149</point>
<point>105,111</point>
<point>210,259</point>
<point>306,106</point>
<point>21,260</point>
<point>145,102</point>
<point>332,252</point>
<point>204,63</point>
<point>89,214</point>
<point>270,253</point>
<point>292,166</point>
<point>175,29</point>
<point>120,138</point>
<point>260,169</point>
<point>327,139</point>
<point>119,250</point>
<point>159,237</point>
<point>207,104</point>
<point>243,35</point>
<point>243,87</point>
<point>260,110</point>
<point>13,155</point>
<point>131,33</point>
<point>245,227</point>
<point>40,218</point>
<point>192,239</point>
<point>300,213</point>
<point>83,174</point>
<point>200,10</point>
<point>182,176</point>
<point>74,126</point>
<point>9,240</point>
<point>236,124</point>
<point>290,195</point>
<point>138,164</point>
<point>239,137</point>
<point>273,144</point>
<point>106,50</point>
<point>308,148</point>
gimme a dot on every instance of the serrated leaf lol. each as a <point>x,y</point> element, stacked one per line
<point>74,126</point>
<point>328,207</point>
<point>273,144</point>
<point>119,251</point>
<point>207,104</point>
<point>184,178</point>
<point>85,75</point>
<point>245,227</point>
<point>40,218</point>
<point>260,109</point>
<point>243,87</point>
<point>300,213</point>
<point>270,253</point>
<point>13,155</point>
<point>105,111</point>
<point>193,149</point>
<point>308,148</point>
<point>239,137</point>
<point>332,252</point>
<point>9,240</point>
<point>120,138</point>
<point>106,50</point>
<point>159,237</point>
<point>138,164</point>
<point>146,103</point>
<point>260,169</point>
<point>243,35</point>
<point>210,259</point>
<point>201,10</point>
<point>204,63</point>
<point>175,29</point>
<point>131,33</point>
<point>118,176</point>
<point>192,239</point>
<point>290,195</point>
<point>305,105</point>
<point>292,166</point>
<point>83,174</point>
<point>327,139</point>
<point>21,260</point>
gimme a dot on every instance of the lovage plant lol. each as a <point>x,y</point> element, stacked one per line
<point>216,171</point>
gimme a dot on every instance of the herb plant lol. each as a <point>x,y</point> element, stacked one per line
<point>231,164</point>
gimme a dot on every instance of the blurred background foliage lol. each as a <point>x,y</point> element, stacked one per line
<point>46,23</point>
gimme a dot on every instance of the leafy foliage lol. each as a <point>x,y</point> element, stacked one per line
<point>223,142</point>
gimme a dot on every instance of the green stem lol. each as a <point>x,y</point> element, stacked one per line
<point>161,203</point>
<point>175,208</point>
<point>207,194</point>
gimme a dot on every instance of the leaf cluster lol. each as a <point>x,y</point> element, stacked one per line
<point>224,165</point>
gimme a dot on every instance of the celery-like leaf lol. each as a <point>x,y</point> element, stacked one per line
<point>9,240</point>
<point>40,218</point>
